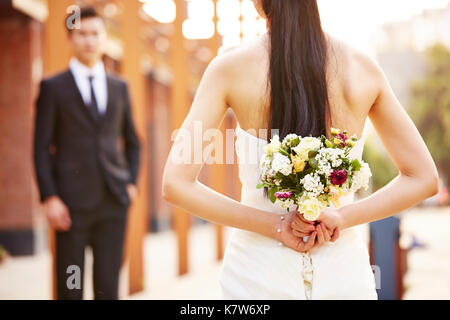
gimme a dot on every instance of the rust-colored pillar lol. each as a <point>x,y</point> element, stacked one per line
<point>179,109</point>
<point>56,58</point>
<point>20,36</point>
<point>56,54</point>
<point>218,171</point>
<point>137,225</point>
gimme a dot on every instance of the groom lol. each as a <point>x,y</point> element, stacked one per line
<point>86,155</point>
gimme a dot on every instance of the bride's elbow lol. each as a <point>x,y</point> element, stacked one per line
<point>426,187</point>
<point>430,185</point>
<point>165,191</point>
<point>434,185</point>
<point>428,181</point>
<point>168,190</point>
<point>173,189</point>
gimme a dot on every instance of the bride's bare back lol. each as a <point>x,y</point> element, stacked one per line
<point>352,88</point>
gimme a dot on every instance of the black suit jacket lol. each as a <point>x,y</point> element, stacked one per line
<point>74,154</point>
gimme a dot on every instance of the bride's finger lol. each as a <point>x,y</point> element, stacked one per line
<point>310,243</point>
<point>306,223</point>
<point>326,233</point>
<point>302,218</point>
<point>302,226</point>
<point>320,236</point>
<point>300,234</point>
<point>335,235</point>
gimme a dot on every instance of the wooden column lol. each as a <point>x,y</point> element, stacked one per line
<point>218,171</point>
<point>56,58</point>
<point>57,52</point>
<point>137,226</point>
<point>180,104</point>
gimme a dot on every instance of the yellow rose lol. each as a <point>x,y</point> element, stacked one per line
<point>310,208</point>
<point>337,141</point>
<point>350,143</point>
<point>298,162</point>
<point>335,131</point>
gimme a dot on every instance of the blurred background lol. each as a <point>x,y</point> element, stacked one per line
<point>162,48</point>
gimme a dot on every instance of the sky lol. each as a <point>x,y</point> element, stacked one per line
<point>355,20</point>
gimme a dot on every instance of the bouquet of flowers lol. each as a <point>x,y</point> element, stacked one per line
<point>311,172</point>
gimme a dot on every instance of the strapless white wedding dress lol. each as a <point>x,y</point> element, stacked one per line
<point>259,267</point>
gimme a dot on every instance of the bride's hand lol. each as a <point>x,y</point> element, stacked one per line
<point>330,221</point>
<point>302,227</point>
<point>324,234</point>
<point>289,239</point>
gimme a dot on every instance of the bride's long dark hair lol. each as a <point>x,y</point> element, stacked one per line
<point>297,80</point>
<point>299,100</point>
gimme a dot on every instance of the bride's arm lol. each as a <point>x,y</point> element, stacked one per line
<point>418,177</point>
<point>180,180</point>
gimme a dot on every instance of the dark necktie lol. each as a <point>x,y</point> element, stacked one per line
<point>93,106</point>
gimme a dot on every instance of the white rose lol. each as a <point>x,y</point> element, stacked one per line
<point>361,177</point>
<point>306,145</point>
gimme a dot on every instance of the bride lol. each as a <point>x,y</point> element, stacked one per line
<point>296,79</point>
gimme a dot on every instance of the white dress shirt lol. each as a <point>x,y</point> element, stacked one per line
<point>81,74</point>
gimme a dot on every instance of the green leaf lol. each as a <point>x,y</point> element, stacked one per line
<point>356,165</point>
<point>312,153</point>
<point>313,163</point>
<point>284,152</point>
<point>295,142</point>
<point>259,186</point>
<point>328,144</point>
<point>271,194</point>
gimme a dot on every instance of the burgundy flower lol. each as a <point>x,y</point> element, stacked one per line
<point>283,195</point>
<point>338,177</point>
<point>343,138</point>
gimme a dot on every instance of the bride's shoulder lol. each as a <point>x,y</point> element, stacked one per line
<point>236,58</point>
<point>360,74</point>
<point>222,67</point>
<point>241,62</point>
<point>351,55</point>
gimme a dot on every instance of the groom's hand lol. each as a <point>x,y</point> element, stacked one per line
<point>132,192</point>
<point>57,214</point>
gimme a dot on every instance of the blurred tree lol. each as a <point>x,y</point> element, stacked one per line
<point>382,167</point>
<point>430,107</point>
